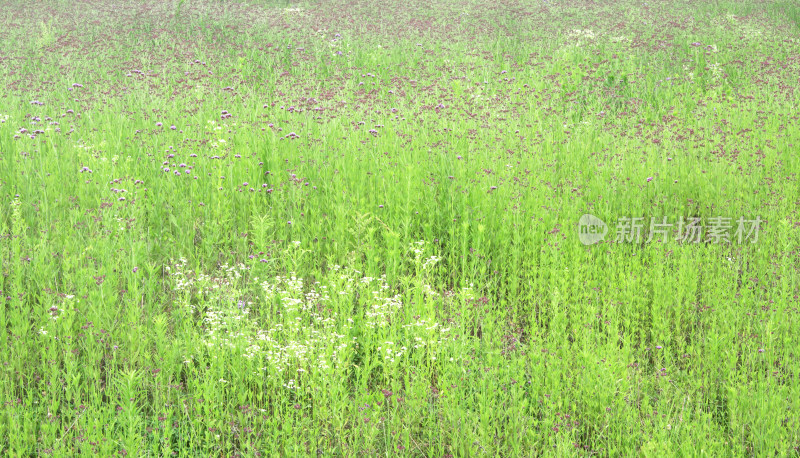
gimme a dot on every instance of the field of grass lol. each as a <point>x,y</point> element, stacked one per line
<point>351,228</point>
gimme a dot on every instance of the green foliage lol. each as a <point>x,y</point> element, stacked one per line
<point>377,252</point>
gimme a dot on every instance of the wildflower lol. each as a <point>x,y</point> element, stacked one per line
<point>158,124</point>
<point>649,179</point>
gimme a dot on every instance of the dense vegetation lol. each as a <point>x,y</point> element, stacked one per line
<point>351,228</point>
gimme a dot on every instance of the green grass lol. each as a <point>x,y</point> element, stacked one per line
<point>786,11</point>
<point>404,276</point>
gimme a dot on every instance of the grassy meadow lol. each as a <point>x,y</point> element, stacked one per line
<point>351,228</point>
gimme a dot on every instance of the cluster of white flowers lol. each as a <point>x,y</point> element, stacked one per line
<point>716,70</point>
<point>428,290</point>
<point>225,322</point>
<point>417,248</point>
<point>431,261</point>
<point>380,313</point>
<point>304,330</point>
<point>581,37</point>
<point>298,338</point>
<point>392,354</point>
